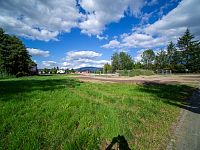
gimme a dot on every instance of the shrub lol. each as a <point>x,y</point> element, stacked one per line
<point>179,68</point>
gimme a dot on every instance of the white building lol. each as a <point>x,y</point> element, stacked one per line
<point>60,71</point>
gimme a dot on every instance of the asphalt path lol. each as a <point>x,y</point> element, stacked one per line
<point>187,133</point>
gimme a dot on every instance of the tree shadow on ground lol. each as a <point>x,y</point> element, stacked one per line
<point>121,142</point>
<point>10,88</point>
<point>182,96</point>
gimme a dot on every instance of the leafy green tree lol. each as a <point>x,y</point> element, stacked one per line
<point>121,61</point>
<point>148,56</point>
<point>107,68</point>
<point>195,59</point>
<point>14,57</point>
<point>54,70</point>
<point>72,70</point>
<point>161,60</point>
<point>115,62</point>
<point>4,51</point>
<point>19,58</point>
<point>171,49</point>
<point>138,65</point>
<point>46,70</point>
<point>125,61</point>
<point>177,62</point>
<point>67,71</point>
<point>2,67</point>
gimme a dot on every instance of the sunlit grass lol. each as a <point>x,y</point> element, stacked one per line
<point>56,112</point>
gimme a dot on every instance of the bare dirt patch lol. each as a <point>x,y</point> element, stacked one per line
<point>190,79</point>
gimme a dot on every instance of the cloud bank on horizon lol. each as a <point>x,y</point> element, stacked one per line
<point>45,20</point>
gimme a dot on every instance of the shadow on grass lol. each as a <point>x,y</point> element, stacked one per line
<point>182,96</point>
<point>121,141</point>
<point>10,88</point>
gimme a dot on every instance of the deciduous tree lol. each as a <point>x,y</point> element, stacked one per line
<point>148,56</point>
<point>107,68</point>
<point>14,57</point>
<point>121,61</point>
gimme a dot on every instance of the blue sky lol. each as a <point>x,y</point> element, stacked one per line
<point>80,33</point>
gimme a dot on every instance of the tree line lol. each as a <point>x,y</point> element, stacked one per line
<point>14,58</point>
<point>180,57</point>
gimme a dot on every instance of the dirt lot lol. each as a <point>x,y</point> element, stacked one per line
<point>190,79</point>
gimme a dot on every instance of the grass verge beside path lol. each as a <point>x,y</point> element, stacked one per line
<point>56,112</point>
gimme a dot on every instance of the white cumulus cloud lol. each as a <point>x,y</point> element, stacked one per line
<point>39,19</point>
<point>46,19</point>
<point>168,28</point>
<point>137,40</point>
<point>77,59</point>
<point>186,14</point>
<point>38,52</point>
<point>102,12</point>
<point>49,64</point>
<point>112,44</point>
<point>75,55</point>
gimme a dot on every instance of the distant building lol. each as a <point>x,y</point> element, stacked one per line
<point>33,69</point>
<point>60,71</point>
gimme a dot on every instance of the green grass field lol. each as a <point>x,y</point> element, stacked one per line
<point>57,112</point>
